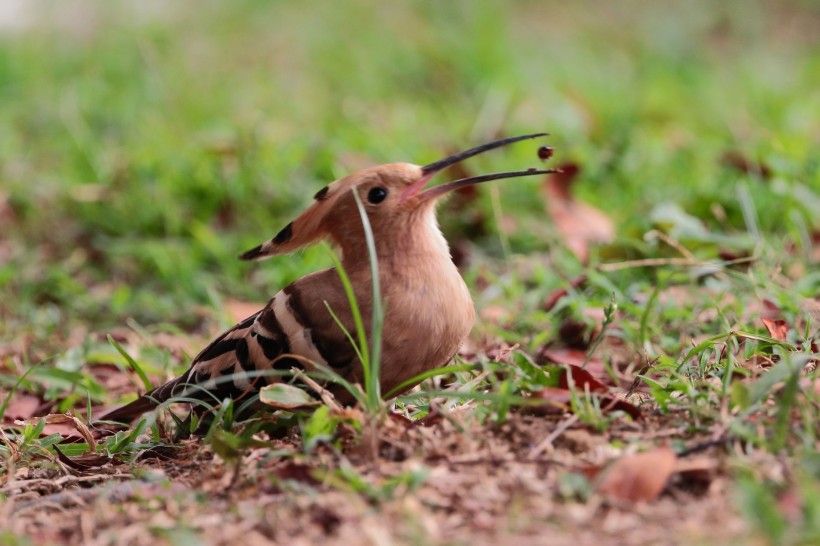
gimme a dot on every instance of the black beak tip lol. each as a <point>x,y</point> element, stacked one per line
<point>251,254</point>
<point>461,156</point>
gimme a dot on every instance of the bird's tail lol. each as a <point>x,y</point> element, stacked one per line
<point>129,412</point>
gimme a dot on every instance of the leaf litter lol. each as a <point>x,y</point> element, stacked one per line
<point>450,472</point>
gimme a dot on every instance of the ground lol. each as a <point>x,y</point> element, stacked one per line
<point>643,365</point>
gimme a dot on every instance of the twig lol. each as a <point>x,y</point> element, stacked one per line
<point>671,242</point>
<point>547,443</point>
<point>684,262</point>
<point>326,396</point>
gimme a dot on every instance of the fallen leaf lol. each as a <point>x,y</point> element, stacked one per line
<point>85,461</point>
<point>778,328</point>
<point>554,400</point>
<point>110,377</point>
<point>558,399</point>
<point>22,406</point>
<point>64,419</point>
<point>240,310</point>
<point>284,396</point>
<point>579,224</point>
<point>770,309</point>
<point>610,404</point>
<point>574,357</point>
<point>640,477</point>
<point>579,378</point>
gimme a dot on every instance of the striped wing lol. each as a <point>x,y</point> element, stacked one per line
<point>293,330</point>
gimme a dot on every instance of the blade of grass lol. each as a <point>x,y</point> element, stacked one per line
<point>372,385</point>
<point>132,363</point>
<point>361,349</point>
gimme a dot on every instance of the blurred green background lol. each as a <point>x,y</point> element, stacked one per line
<point>144,145</point>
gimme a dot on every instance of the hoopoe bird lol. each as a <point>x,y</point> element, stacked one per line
<point>428,308</point>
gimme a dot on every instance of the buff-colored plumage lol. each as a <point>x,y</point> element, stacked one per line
<point>428,309</point>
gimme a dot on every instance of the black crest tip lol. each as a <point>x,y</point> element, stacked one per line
<point>251,254</point>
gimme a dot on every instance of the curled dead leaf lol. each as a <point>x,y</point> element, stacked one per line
<point>778,328</point>
<point>575,376</point>
<point>640,477</point>
<point>86,461</point>
<point>65,419</point>
<point>579,224</point>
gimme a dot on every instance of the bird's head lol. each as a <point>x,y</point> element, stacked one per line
<point>393,195</point>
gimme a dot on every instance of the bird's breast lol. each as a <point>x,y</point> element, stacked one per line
<point>428,316</point>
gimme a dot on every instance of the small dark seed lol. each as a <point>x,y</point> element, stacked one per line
<point>545,152</point>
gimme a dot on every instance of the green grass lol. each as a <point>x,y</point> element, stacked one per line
<point>141,152</point>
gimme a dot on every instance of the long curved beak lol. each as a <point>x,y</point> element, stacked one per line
<point>430,170</point>
<point>437,191</point>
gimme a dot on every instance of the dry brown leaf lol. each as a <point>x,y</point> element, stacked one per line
<point>240,310</point>
<point>778,328</point>
<point>579,378</point>
<point>22,406</point>
<point>555,400</point>
<point>85,461</point>
<point>770,309</point>
<point>111,377</point>
<point>579,224</point>
<point>640,477</point>
<point>574,357</point>
<point>64,419</point>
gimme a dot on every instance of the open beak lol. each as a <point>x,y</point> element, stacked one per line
<point>429,171</point>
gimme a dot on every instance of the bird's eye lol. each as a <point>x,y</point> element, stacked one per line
<point>376,195</point>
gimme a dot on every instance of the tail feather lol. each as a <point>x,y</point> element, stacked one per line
<point>129,412</point>
<point>148,401</point>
